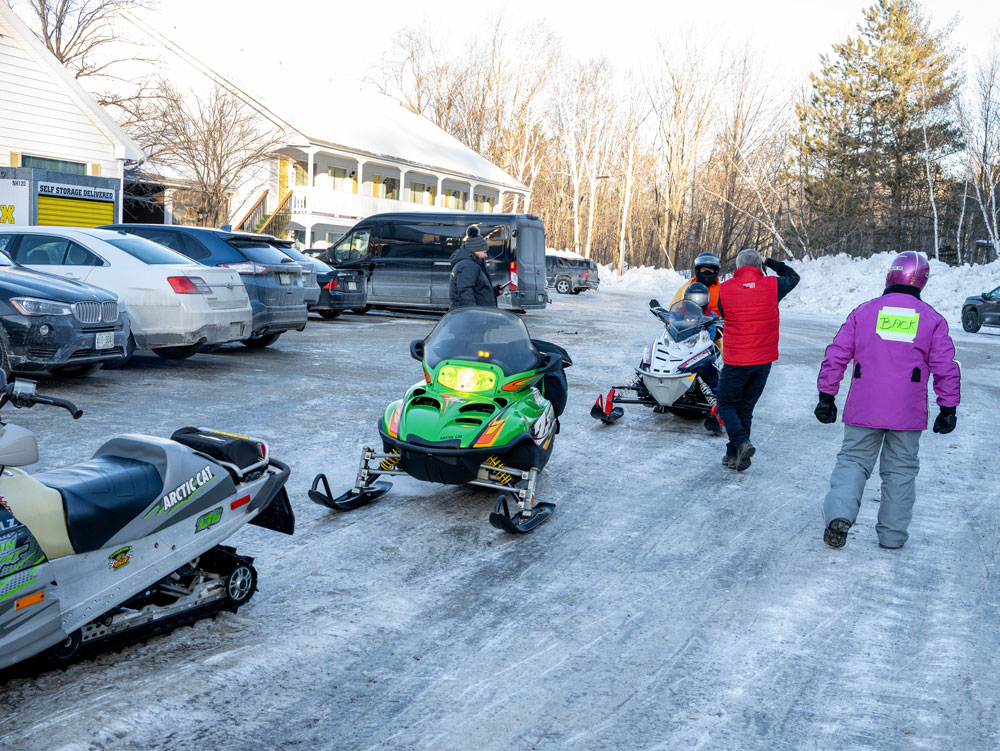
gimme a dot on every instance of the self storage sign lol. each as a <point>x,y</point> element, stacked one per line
<point>87,193</point>
<point>15,202</point>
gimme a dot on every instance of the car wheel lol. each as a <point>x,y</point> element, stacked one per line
<point>970,321</point>
<point>259,342</point>
<point>563,286</point>
<point>177,353</point>
<point>329,314</point>
<point>76,371</point>
<point>130,348</point>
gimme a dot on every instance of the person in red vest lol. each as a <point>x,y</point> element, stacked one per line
<point>749,304</point>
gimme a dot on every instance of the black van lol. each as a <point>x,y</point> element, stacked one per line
<point>405,257</point>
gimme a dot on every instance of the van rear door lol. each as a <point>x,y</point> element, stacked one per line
<point>529,244</point>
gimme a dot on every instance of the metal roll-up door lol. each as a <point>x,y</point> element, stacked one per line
<point>72,212</point>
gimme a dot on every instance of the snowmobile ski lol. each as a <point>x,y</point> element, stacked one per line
<point>520,522</point>
<point>604,411</point>
<point>354,498</point>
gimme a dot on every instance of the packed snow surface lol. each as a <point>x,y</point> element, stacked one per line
<point>838,284</point>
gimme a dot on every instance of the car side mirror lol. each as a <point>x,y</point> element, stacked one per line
<point>417,350</point>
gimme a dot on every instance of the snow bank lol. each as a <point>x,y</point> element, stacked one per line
<point>837,284</point>
<point>641,278</point>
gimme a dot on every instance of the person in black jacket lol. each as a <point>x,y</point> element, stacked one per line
<point>470,283</point>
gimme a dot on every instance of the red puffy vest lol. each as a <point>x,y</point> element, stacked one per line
<point>750,307</point>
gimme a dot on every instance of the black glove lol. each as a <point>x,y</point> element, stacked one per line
<point>946,420</point>
<point>497,290</point>
<point>826,410</point>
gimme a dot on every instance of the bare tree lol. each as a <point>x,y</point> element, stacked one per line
<point>681,91</point>
<point>213,143</point>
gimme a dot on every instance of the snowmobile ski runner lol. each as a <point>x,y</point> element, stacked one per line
<point>669,378</point>
<point>112,550</point>
<point>478,417</point>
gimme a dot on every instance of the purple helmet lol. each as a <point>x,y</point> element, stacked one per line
<point>909,268</point>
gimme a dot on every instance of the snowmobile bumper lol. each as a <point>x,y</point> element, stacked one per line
<point>275,509</point>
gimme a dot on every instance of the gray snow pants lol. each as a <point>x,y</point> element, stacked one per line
<point>898,468</point>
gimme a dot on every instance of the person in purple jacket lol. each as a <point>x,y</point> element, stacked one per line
<point>897,342</point>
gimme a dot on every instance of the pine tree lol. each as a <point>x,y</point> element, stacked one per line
<point>861,132</point>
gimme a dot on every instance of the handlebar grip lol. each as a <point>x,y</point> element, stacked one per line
<point>55,401</point>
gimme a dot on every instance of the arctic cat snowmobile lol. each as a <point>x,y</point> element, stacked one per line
<point>477,417</point>
<point>126,545</point>
<point>668,378</point>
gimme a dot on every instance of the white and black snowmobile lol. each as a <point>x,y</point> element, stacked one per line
<point>670,377</point>
<point>126,545</point>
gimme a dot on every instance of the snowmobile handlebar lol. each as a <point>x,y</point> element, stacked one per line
<point>21,393</point>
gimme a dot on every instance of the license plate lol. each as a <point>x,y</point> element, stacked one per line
<point>284,278</point>
<point>104,340</point>
<point>235,330</point>
<point>351,286</point>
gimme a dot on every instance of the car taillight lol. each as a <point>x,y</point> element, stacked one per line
<point>586,273</point>
<point>333,284</point>
<point>248,268</point>
<point>189,285</point>
<point>513,276</point>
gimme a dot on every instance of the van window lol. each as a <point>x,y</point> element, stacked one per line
<point>354,246</point>
<point>436,241</point>
<point>531,246</point>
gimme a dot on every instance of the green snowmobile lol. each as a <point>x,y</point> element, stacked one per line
<point>478,417</point>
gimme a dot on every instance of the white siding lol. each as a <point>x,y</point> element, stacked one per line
<point>39,116</point>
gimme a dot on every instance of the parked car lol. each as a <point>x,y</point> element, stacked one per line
<point>54,325</point>
<point>272,279</point>
<point>981,310</point>
<point>310,267</point>
<point>570,275</point>
<point>175,305</point>
<point>340,290</point>
<point>405,257</point>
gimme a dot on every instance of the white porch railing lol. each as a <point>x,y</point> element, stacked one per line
<point>313,200</point>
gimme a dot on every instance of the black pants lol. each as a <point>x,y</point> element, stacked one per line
<point>740,386</point>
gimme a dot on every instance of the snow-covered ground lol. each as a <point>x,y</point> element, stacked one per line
<point>837,284</point>
<point>668,604</point>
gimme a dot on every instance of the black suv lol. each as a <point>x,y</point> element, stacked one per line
<point>55,325</point>
<point>272,279</point>
<point>981,310</point>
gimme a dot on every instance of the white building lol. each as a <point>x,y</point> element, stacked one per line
<point>62,156</point>
<point>351,153</point>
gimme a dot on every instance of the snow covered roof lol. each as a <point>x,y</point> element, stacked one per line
<point>28,42</point>
<point>353,118</point>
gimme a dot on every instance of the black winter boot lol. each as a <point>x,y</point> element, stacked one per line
<point>835,534</point>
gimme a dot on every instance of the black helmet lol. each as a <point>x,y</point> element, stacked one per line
<point>698,294</point>
<point>711,261</point>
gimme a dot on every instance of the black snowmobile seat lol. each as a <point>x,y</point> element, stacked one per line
<point>224,447</point>
<point>101,496</point>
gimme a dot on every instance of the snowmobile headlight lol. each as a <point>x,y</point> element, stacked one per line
<point>466,379</point>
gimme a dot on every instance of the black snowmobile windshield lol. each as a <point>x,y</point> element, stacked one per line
<point>483,334</point>
<point>686,320</point>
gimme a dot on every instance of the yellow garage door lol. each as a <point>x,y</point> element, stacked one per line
<point>72,212</point>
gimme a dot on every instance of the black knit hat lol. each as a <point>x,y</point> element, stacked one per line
<point>476,244</point>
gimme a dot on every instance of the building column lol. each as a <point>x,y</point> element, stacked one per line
<point>471,205</point>
<point>309,230</point>
<point>310,169</point>
<point>405,194</point>
<point>168,206</point>
<point>361,183</point>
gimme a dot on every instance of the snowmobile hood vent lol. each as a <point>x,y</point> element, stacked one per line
<point>426,401</point>
<point>487,409</point>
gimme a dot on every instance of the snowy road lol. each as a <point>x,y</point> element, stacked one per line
<point>669,603</point>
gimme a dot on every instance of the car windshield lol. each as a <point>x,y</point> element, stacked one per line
<point>302,258</point>
<point>686,320</point>
<point>148,251</point>
<point>258,251</point>
<point>482,334</point>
